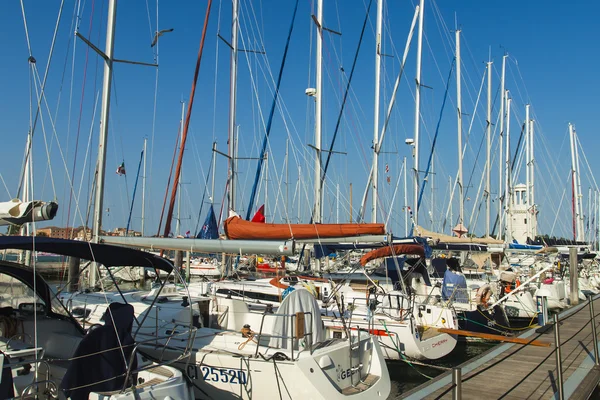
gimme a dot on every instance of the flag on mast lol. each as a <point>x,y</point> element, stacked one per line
<point>121,169</point>
<point>260,215</point>
<point>209,229</point>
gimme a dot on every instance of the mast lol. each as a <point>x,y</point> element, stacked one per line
<point>501,198</point>
<point>144,188</point>
<point>405,199</point>
<point>178,226</point>
<point>318,111</point>
<point>507,188</point>
<point>102,141</point>
<point>459,119</point>
<point>232,106</point>
<point>337,204</point>
<point>432,174</point>
<point>376,116</point>
<point>287,181</point>
<point>266,183</point>
<point>214,166</point>
<point>527,169</point>
<point>574,184</point>
<point>418,111</point>
<point>318,121</point>
<point>533,215</point>
<point>579,198</point>
<point>488,204</point>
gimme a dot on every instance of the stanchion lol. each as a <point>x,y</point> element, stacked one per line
<point>456,384</point>
<point>559,377</point>
<point>594,335</point>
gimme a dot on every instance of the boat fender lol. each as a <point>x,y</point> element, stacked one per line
<point>483,294</point>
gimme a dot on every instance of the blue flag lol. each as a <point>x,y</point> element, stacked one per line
<point>209,229</point>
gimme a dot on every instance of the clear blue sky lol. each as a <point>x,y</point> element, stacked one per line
<point>551,65</point>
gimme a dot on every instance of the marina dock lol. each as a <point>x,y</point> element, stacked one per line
<point>515,371</point>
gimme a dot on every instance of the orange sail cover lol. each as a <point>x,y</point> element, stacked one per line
<point>237,228</point>
<point>415,249</point>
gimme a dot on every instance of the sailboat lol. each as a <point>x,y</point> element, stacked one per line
<point>227,350</point>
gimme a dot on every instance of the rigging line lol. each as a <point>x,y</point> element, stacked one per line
<point>27,151</point>
<point>204,195</point>
<point>88,149</point>
<point>44,133</point>
<point>348,83</point>
<point>214,120</point>
<point>169,180</point>
<point>271,112</point>
<point>80,114</point>
<point>337,125</point>
<point>187,122</point>
<point>437,130</point>
<point>156,47</point>
<point>137,176</point>
<point>560,203</point>
<point>514,160</point>
<point>76,12</point>
<point>589,172</point>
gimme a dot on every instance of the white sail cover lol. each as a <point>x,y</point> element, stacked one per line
<point>299,300</point>
<point>17,212</point>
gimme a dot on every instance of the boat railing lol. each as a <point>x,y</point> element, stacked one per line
<point>185,355</point>
<point>297,327</point>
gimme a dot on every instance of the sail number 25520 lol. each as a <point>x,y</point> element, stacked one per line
<point>223,375</point>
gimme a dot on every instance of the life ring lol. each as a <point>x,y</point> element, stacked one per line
<point>483,294</point>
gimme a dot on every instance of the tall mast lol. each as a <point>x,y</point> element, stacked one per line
<point>317,213</point>
<point>318,109</point>
<point>432,175</point>
<point>178,225</point>
<point>376,116</point>
<point>508,201</point>
<point>418,111</point>
<point>405,199</point>
<point>501,198</point>
<point>287,181</point>
<point>266,182</point>
<point>533,215</point>
<point>232,105</point>
<point>101,164</point>
<point>214,166</point>
<point>579,198</point>
<point>488,207</point>
<point>527,169</point>
<point>574,183</point>
<point>459,119</point>
<point>144,188</point>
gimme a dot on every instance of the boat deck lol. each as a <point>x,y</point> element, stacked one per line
<point>515,371</point>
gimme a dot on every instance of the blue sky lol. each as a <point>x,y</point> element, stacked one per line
<point>552,55</point>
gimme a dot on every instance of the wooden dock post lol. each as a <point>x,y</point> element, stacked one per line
<point>559,377</point>
<point>594,334</point>
<point>457,384</point>
<point>573,276</point>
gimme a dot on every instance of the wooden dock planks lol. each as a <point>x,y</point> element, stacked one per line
<point>515,371</point>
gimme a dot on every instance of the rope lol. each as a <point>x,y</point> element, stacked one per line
<point>390,335</point>
<point>271,112</point>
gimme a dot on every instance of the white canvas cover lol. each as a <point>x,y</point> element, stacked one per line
<point>299,300</point>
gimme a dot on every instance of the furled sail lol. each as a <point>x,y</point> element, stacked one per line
<point>237,228</point>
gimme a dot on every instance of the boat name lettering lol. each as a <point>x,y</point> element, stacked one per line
<point>348,373</point>
<point>223,375</point>
<point>441,342</point>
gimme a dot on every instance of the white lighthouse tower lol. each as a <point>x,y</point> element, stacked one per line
<point>522,218</point>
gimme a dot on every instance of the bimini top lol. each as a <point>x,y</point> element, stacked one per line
<point>105,254</point>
